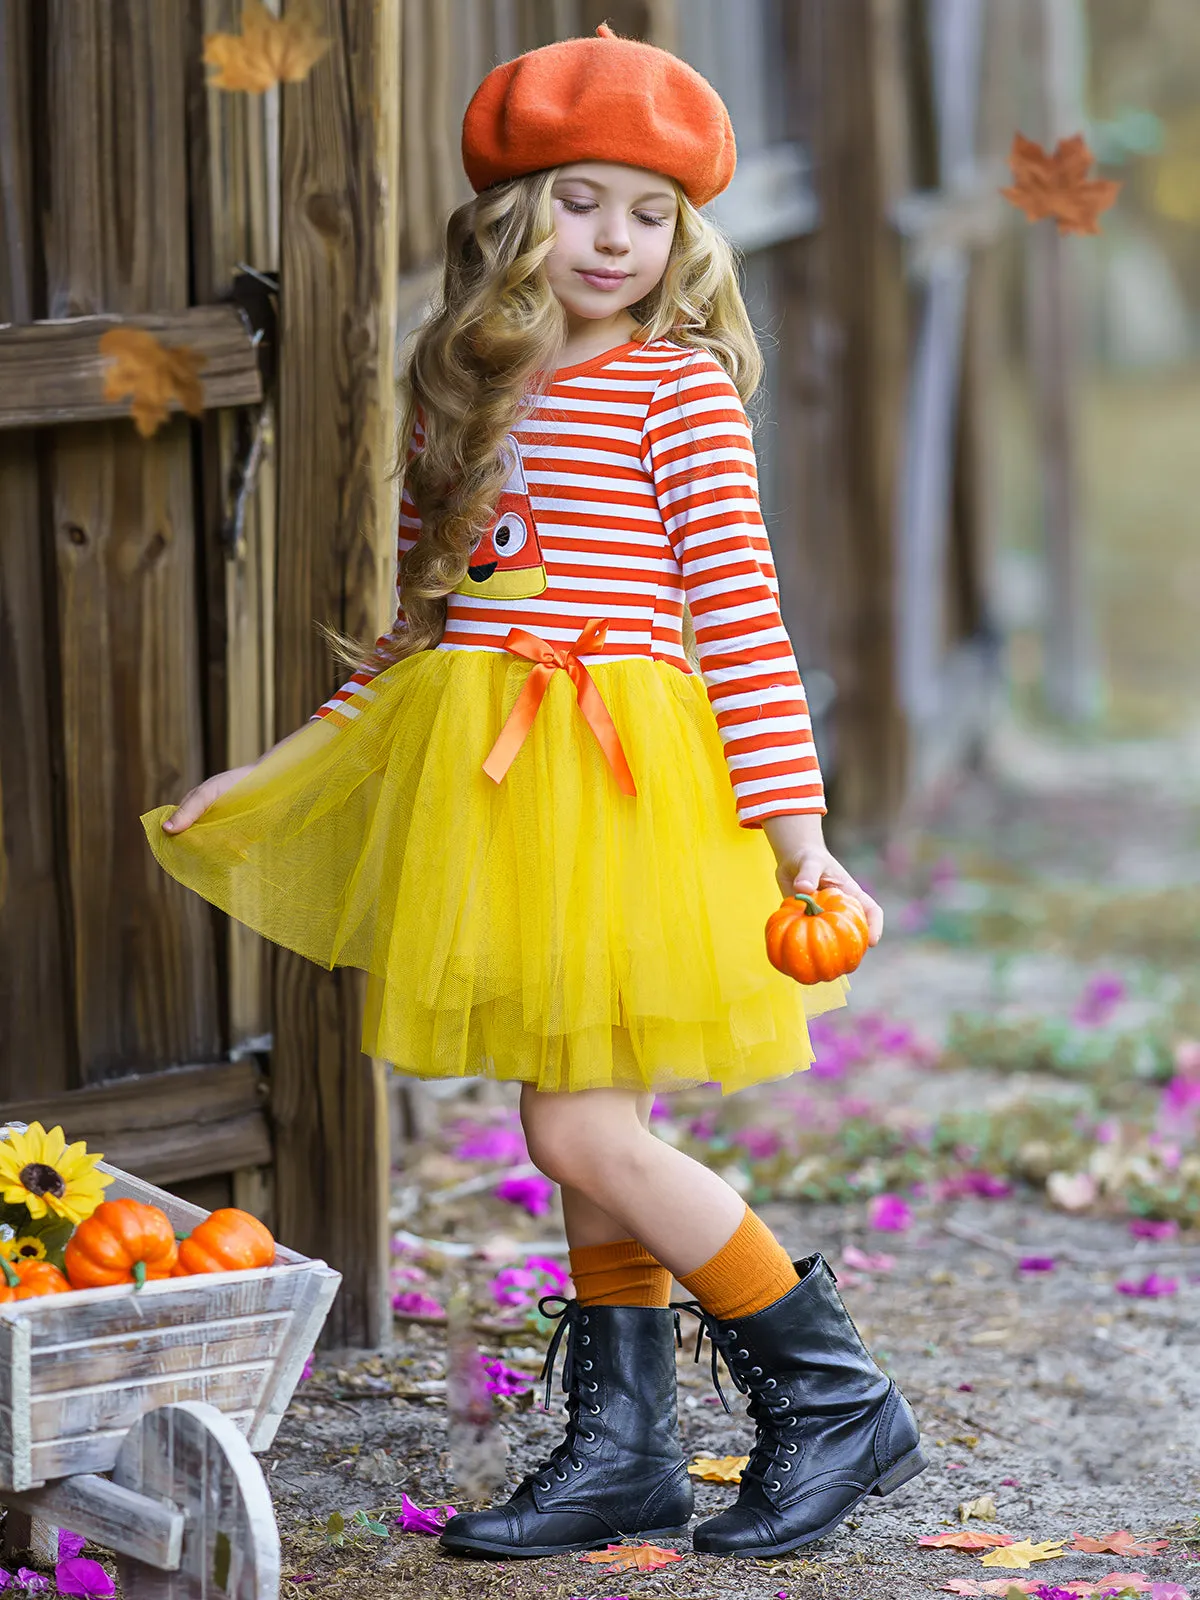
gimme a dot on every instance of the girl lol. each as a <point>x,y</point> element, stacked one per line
<point>544,835</point>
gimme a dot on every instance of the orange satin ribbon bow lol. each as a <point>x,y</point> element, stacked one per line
<point>547,659</point>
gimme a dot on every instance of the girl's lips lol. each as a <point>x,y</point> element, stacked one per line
<point>604,280</point>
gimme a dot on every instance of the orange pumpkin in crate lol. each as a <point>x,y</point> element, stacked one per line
<point>26,1280</point>
<point>815,938</point>
<point>227,1240</point>
<point>123,1241</point>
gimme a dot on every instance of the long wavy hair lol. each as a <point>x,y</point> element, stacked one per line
<point>482,357</point>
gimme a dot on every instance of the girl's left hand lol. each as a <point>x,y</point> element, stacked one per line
<point>806,865</point>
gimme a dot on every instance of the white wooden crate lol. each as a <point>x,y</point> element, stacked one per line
<point>77,1371</point>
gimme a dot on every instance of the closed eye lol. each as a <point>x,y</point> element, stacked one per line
<point>579,208</point>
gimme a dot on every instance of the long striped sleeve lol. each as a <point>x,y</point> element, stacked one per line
<point>697,447</point>
<point>356,692</point>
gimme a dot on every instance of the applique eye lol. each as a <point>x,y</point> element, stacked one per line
<point>510,534</point>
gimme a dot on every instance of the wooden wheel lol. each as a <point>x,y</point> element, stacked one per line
<point>191,1455</point>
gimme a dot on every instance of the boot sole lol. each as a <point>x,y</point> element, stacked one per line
<point>527,1552</point>
<point>907,1467</point>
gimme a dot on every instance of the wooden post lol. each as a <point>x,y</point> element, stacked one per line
<point>1071,683</point>
<point>116,238</point>
<point>842,297</point>
<point>340,181</point>
<point>35,1027</point>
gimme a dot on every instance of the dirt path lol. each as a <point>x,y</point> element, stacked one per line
<point>1012,1025</point>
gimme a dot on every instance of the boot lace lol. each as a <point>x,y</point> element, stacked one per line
<point>770,1409</point>
<point>572,1320</point>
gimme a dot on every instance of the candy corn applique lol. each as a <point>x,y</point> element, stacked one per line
<point>507,562</point>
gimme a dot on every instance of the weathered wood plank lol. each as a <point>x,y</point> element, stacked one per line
<point>233,144</point>
<point>114,1517</point>
<point>16,1467</point>
<point>133,1356</point>
<point>190,1456</point>
<point>59,1458</point>
<point>116,241</point>
<point>311,1311</point>
<point>52,372</point>
<point>171,1125</point>
<point>169,1303</point>
<point>36,1048</point>
<point>340,182</point>
<point>103,1407</point>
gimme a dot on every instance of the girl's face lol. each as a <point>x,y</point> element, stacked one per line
<point>613,229</point>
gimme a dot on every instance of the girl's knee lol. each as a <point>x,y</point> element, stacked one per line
<point>569,1138</point>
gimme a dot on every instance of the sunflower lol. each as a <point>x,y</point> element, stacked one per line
<point>25,1248</point>
<point>40,1171</point>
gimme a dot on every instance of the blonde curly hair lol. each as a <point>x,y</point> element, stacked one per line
<point>474,373</point>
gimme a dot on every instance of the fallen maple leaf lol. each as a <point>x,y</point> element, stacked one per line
<point>632,1557</point>
<point>143,367</point>
<point>269,50</point>
<point>1125,1580</point>
<point>1024,1553</point>
<point>966,1539</point>
<point>718,1469</point>
<point>1057,185</point>
<point>1121,1543</point>
<point>984,1508</point>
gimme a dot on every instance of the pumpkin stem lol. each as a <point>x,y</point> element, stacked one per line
<point>180,1237</point>
<point>812,908</point>
<point>139,1274</point>
<point>10,1277</point>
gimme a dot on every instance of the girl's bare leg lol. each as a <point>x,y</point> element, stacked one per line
<point>595,1143</point>
<point>587,1224</point>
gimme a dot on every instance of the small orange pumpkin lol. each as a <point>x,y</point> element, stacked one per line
<point>227,1240</point>
<point>123,1241</point>
<point>815,938</point>
<point>27,1280</point>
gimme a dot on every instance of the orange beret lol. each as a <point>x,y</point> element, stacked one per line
<point>599,99</point>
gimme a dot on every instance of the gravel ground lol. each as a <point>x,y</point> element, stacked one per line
<point>1074,1408</point>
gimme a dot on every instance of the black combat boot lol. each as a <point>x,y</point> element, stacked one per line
<point>831,1427</point>
<point>620,1468</point>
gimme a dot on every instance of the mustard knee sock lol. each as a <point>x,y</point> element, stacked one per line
<point>747,1274</point>
<point>619,1274</point>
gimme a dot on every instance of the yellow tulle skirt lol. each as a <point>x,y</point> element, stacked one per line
<point>547,929</point>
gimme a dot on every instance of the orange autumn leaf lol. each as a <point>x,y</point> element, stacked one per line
<point>1057,185</point>
<point>966,1539</point>
<point>269,50</point>
<point>718,1469</point>
<point>1121,1543</point>
<point>142,367</point>
<point>632,1557</point>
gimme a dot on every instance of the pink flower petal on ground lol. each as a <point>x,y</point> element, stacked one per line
<point>1037,1263</point>
<point>1144,1228</point>
<point>890,1214</point>
<point>503,1380</point>
<point>533,1192</point>
<point>482,1143</point>
<point>1168,1591</point>
<point>88,1579</point>
<point>422,1519</point>
<point>956,1466</point>
<point>1151,1287</point>
<point>867,1261</point>
<point>1010,1483</point>
<point>412,1303</point>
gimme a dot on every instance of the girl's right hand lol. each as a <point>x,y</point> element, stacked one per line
<point>197,801</point>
